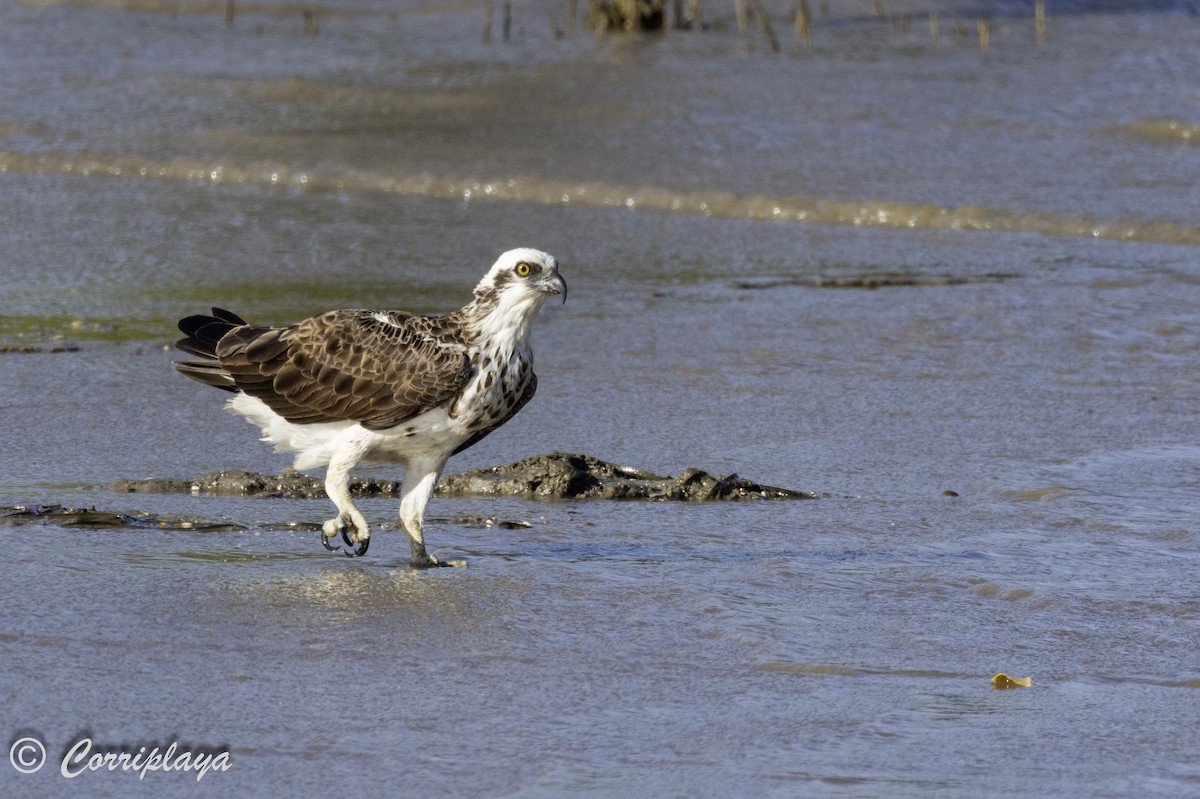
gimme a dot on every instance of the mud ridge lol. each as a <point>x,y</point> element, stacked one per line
<point>90,517</point>
<point>554,476</point>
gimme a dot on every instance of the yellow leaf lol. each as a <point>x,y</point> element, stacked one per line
<point>1002,681</point>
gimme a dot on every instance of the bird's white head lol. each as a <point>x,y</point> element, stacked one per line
<point>519,282</point>
<point>510,294</point>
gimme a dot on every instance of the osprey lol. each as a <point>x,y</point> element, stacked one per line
<point>356,385</point>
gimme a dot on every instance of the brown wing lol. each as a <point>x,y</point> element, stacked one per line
<point>348,365</point>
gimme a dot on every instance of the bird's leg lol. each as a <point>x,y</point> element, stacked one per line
<point>414,496</point>
<point>349,523</point>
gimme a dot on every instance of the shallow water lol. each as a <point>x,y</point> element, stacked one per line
<point>1040,197</point>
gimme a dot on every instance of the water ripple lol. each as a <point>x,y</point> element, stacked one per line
<point>713,203</point>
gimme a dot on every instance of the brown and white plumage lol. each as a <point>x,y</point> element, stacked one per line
<point>356,385</point>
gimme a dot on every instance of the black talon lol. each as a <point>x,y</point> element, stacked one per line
<point>352,549</point>
<point>356,549</point>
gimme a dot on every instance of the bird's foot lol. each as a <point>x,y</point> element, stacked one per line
<point>357,541</point>
<point>423,560</point>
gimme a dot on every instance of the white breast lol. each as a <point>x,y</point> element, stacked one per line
<point>500,380</point>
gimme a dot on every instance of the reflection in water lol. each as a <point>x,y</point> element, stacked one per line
<point>350,591</point>
<point>594,194</point>
<point>409,604</point>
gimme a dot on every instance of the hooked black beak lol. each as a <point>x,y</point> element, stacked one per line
<point>554,284</point>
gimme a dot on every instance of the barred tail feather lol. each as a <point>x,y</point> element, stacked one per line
<point>209,373</point>
<point>203,333</point>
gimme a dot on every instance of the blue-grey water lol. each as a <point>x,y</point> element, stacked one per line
<point>1003,434</point>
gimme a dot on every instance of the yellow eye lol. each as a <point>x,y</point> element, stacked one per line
<point>523,269</point>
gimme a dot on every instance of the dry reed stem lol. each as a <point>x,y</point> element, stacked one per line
<point>739,10</point>
<point>764,24</point>
<point>802,24</point>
